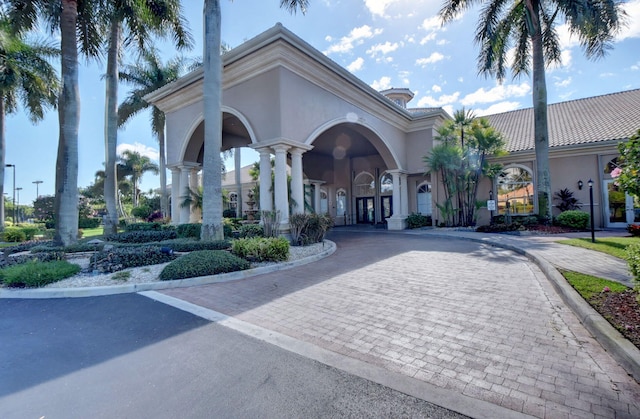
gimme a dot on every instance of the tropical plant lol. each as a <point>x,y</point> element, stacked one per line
<point>25,76</point>
<point>529,28</point>
<point>627,174</point>
<point>149,74</point>
<point>135,165</point>
<point>212,221</point>
<point>567,201</point>
<point>81,31</point>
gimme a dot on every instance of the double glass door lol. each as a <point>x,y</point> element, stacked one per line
<point>620,208</point>
<point>365,210</point>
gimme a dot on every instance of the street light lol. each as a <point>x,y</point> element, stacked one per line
<point>37,182</point>
<point>14,191</point>
<point>18,189</point>
<point>593,234</point>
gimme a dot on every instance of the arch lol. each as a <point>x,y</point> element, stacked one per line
<point>199,119</point>
<point>424,199</point>
<point>516,190</point>
<point>363,181</point>
<point>388,154</point>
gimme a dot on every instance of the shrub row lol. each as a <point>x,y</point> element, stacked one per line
<point>201,263</point>
<point>633,259</point>
<point>141,236</point>
<point>21,233</point>
<point>37,274</point>
<point>418,220</point>
<point>262,249</point>
<point>24,246</point>
<point>120,258</point>
<point>29,257</point>
<point>191,230</point>
<point>573,219</point>
<point>188,245</point>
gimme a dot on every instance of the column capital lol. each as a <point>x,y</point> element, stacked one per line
<point>281,141</point>
<point>397,172</point>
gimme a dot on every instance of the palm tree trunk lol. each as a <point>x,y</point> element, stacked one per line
<point>164,200</point>
<point>541,130</point>
<point>212,163</point>
<point>111,129</point>
<point>2,149</point>
<point>66,201</point>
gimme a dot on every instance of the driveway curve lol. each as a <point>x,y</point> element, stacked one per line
<point>474,319</point>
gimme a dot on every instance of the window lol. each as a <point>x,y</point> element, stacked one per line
<point>364,185</point>
<point>233,200</point>
<point>424,199</point>
<point>341,203</point>
<point>515,191</point>
<point>386,184</point>
<point>324,207</point>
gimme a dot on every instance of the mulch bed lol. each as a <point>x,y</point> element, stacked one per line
<point>622,310</point>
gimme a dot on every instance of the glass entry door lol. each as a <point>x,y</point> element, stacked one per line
<point>365,210</point>
<point>386,203</point>
<point>620,208</point>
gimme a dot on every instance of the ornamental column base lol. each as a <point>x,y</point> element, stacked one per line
<point>396,223</point>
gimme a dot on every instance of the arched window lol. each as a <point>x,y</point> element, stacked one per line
<point>233,200</point>
<point>341,203</point>
<point>424,199</point>
<point>386,184</point>
<point>365,185</point>
<point>612,164</point>
<point>515,190</point>
<point>324,206</point>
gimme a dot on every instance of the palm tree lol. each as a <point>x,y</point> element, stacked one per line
<point>147,75</point>
<point>80,29</point>
<point>135,165</point>
<point>212,228</point>
<point>129,22</point>
<point>529,27</point>
<point>27,76</point>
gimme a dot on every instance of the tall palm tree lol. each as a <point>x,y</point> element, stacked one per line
<point>212,96</point>
<point>132,22</point>
<point>147,75</point>
<point>26,76</point>
<point>530,27</point>
<point>135,165</point>
<point>79,29</point>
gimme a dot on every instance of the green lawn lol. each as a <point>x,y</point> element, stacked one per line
<point>92,232</point>
<point>614,246</point>
<point>589,286</point>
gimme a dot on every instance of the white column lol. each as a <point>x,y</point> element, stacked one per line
<point>266,202</point>
<point>297,187</point>
<point>280,187</point>
<point>175,195</point>
<point>193,184</point>
<point>184,192</point>
<point>316,197</point>
<point>238,169</point>
<point>396,194</point>
<point>404,195</point>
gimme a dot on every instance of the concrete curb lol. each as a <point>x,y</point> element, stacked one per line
<point>150,286</point>
<point>623,351</point>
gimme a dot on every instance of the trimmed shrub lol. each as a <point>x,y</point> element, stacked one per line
<point>22,247</point>
<point>634,229</point>
<point>573,219</point>
<point>262,249</point>
<point>633,259</point>
<point>149,226</point>
<point>189,230</point>
<point>30,230</point>
<point>251,230</point>
<point>418,220</point>
<point>88,222</point>
<point>143,212</point>
<point>201,263</point>
<point>14,235</point>
<point>37,274</point>
<point>141,236</point>
<point>499,228</point>
<point>120,258</point>
<point>188,245</point>
<point>229,213</point>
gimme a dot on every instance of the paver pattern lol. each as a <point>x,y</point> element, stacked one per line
<point>468,317</point>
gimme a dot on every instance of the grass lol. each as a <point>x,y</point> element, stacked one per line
<point>92,232</point>
<point>589,286</point>
<point>614,246</point>
<point>37,274</point>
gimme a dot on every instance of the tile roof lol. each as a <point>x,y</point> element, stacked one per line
<point>614,116</point>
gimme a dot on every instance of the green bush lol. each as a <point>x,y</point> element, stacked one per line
<point>37,274</point>
<point>22,247</point>
<point>309,228</point>
<point>88,222</point>
<point>262,249</point>
<point>418,220</point>
<point>189,230</point>
<point>573,219</point>
<point>30,230</point>
<point>251,230</point>
<point>229,213</point>
<point>14,235</point>
<point>143,212</point>
<point>119,258</point>
<point>144,227</point>
<point>201,263</point>
<point>141,236</point>
<point>633,259</point>
<point>189,245</point>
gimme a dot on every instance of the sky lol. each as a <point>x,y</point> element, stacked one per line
<point>385,43</point>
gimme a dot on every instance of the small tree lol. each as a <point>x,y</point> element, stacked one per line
<point>627,174</point>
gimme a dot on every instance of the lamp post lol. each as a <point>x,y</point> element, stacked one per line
<point>37,182</point>
<point>18,190</point>
<point>14,191</point>
<point>593,234</point>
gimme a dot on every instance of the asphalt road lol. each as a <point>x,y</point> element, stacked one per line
<point>127,356</point>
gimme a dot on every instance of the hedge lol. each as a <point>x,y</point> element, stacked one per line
<point>202,263</point>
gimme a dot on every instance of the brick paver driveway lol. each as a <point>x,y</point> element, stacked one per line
<point>478,320</point>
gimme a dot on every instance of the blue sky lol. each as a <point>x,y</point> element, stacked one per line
<point>386,43</point>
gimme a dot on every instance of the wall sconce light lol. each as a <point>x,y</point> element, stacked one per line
<point>580,184</point>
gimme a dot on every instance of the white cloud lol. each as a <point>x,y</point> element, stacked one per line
<point>606,75</point>
<point>385,48</point>
<point>382,84</point>
<point>356,65</point>
<point>355,37</point>
<point>562,83</point>
<point>632,30</point>
<point>435,88</point>
<point>431,23</point>
<point>428,38</point>
<point>378,7</point>
<point>441,42</point>
<point>404,76</point>
<point>497,108</point>
<point>635,66</point>
<point>443,100</point>
<point>495,94</point>
<point>144,150</point>
<point>433,58</point>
